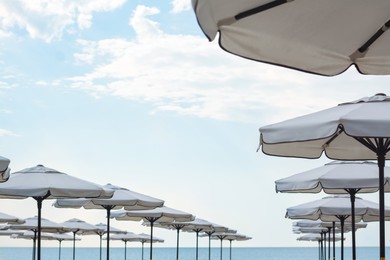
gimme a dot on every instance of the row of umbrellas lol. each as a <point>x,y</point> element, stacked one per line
<point>42,183</point>
<point>326,40</point>
<point>338,177</point>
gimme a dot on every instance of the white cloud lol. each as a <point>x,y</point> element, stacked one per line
<point>179,6</point>
<point>46,19</point>
<point>188,75</point>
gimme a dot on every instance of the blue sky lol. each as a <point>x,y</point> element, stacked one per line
<point>132,93</point>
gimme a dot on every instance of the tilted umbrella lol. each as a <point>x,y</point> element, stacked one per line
<point>77,226</point>
<point>31,224</point>
<point>132,237</point>
<point>42,183</point>
<point>357,130</point>
<point>339,177</point>
<point>122,198</point>
<point>322,37</point>
<point>4,170</point>
<point>157,215</point>
<point>337,208</point>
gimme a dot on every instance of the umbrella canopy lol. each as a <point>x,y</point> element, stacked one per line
<point>322,37</point>
<point>329,208</point>
<point>157,215</point>
<point>4,170</point>
<point>31,224</point>
<point>122,198</point>
<point>336,177</point>
<point>350,131</point>
<point>77,226</point>
<point>42,183</point>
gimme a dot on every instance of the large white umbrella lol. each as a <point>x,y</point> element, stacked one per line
<point>357,130</point>
<point>338,177</point>
<point>132,237</point>
<point>4,169</point>
<point>337,208</point>
<point>122,198</point>
<point>42,183</point>
<point>322,37</point>
<point>77,226</point>
<point>157,215</point>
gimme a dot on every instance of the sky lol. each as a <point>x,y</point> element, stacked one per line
<point>130,92</point>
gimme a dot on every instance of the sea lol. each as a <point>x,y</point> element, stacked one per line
<point>239,253</point>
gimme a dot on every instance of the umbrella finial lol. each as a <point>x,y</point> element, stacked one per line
<point>381,94</point>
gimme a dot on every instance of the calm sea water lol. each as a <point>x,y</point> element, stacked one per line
<point>274,253</point>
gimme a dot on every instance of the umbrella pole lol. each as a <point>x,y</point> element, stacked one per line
<point>209,234</point>
<point>74,244</point>
<point>197,230</point>
<point>125,249</point>
<point>319,250</point>
<point>59,250</point>
<point>177,242</point>
<point>381,165</point>
<point>334,240</point>
<point>221,246</point>
<point>230,249</point>
<point>352,194</point>
<point>101,235</point>
<point>342,220</point>
<point>143,250</point>
<point>39,205</point>
<point>108,230</point>
<point>329,228</point>
<point>322,247</point>
<point>34,244</point>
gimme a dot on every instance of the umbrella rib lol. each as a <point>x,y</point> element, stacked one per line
<point>373,38</point>
<point>341,130</point>
<point>260,8</point>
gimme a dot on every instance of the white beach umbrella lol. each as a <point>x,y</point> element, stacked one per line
<point>4,169</point>
<point>337,208</point>
<point>357,130</point>
<point>122,198</point>
<point>338,177</point>
<point>132,237</point>
<point>157,215</point>
<point>42,183</point>
<point>235,237</point>
<point>77,226</point>
<point>322,37</point>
